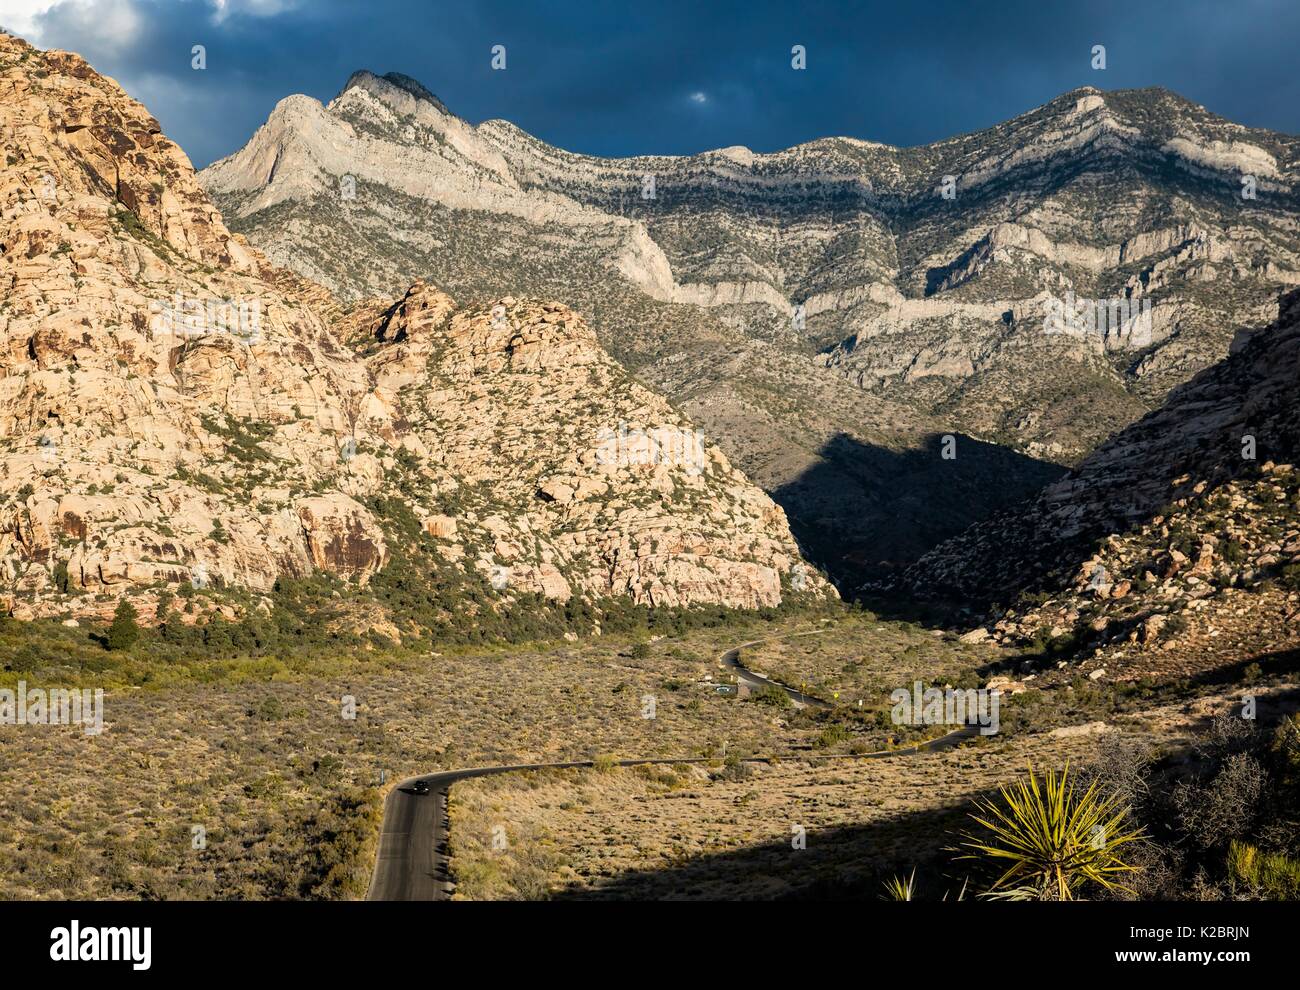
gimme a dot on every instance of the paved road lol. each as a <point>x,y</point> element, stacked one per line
<point>412,862</point>
<point>731,660</point>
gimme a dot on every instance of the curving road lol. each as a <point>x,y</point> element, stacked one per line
<point>731,660</point>
<point>412,863</point>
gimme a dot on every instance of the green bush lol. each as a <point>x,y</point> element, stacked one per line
<point>340,855</point>
<point>124,631</point>
<point>832,735</point>
<point>1290,577</point>
<point>771,695</point>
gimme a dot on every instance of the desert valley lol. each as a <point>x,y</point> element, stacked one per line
<point>392,446</point>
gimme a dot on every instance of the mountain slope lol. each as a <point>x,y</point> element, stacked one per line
<point>1191,516</point>
<point>176,413</point>
<point>557,472</point>
<point>1195,442</point>
<point>142,339</point>
<point>825,293</point>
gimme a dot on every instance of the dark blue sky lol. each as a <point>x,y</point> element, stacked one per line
<point>614,77</point>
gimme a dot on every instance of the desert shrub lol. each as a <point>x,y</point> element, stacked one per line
<point>1044,644</point>
<point>1289,577</point>
<point>1274,876</point>
<point>271,709</point>
<point>1224,805</point>
<point>1219,824</point>
<point>1174,626</point>
<point>1122,770</point>
<point>770,694</point>
<point>735,767</point>
<point>341,844</point>
<point>1285,747</point>
<point>243,437</point>
<point>1233,552</point>
<point>23,660</point>
<point>832,735</point>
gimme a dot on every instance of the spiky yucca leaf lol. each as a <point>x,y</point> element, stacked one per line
<point>1052,840</point>
<point>898,889</point>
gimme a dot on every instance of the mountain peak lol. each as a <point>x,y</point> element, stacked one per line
<point>381,86</point>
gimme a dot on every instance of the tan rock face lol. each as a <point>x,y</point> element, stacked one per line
<point>155,383</point>
<point>173,408</point>
<point>568,476</point>
<point>340,536</point>
<point>441,526</point>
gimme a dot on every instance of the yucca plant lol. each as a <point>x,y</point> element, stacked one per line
<point>898,889</point>
<point>961,894</point>
<point>1052,840</point>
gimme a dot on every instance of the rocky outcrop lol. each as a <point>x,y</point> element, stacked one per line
<point>164,408</point>
<point>568,476</point>
<point>1187,520</point>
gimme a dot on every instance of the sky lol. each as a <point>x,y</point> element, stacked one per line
<point>626,77</point>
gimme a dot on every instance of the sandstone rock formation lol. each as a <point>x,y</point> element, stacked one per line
<point>175,410</point>
<point>141,340</point>
<point>567,475</point>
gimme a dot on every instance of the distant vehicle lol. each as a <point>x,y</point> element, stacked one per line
<point>419,787</point>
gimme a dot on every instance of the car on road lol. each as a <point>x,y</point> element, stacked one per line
<point>419,787</point>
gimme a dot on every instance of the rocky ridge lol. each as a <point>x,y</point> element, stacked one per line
<point>829,295</point>
<point>568,476</point>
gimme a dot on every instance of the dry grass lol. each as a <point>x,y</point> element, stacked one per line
<point>288,790</point>
<point>860,658</point>
<point>280,780</point>
<point>724,831</point>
